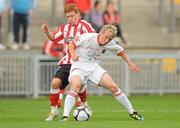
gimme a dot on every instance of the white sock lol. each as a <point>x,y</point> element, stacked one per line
<point>85,103</point>
<point>79,99</point>
<point>54,109</point>
<point>69,103</point>
<point>122,98</point>
<point>61,96</point>
<point>54,91</point>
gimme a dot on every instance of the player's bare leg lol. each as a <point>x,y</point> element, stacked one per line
<point>53,97</point>
<point>107,82</point>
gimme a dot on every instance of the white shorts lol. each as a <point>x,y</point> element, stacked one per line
<point>87,72</point>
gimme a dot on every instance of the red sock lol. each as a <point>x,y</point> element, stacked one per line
<point>54,99</point>
<point>83,96</point>
<point>61,93</point>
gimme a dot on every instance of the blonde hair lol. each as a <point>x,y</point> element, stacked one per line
<point>110,28</point>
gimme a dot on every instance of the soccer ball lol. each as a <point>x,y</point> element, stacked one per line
<point>81,114</point>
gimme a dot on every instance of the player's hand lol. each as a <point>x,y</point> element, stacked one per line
<point>75,58</point>
<point>134,68</point>
<point>44,28</point>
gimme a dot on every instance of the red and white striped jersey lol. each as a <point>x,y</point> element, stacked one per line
<point>67,32</point>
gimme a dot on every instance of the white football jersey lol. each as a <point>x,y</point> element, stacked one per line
<point>87,47</point>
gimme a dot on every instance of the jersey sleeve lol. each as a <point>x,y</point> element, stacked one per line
<point>114,48</point>
<point>58,35</point>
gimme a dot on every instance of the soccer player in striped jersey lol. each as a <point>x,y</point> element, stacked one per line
<point>67,32</point>
<point>85,68</point>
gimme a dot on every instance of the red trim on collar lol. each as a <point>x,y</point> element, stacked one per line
<point>98,36</point>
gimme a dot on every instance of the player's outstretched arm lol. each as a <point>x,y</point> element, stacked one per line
<point>131,65</point>
<point>45,29</point>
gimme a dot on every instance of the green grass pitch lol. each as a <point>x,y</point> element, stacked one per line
<point>158,111</point>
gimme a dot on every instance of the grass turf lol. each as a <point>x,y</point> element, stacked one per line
<point>158,111</point>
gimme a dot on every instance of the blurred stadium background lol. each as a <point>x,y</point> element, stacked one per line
<point>153,31</point>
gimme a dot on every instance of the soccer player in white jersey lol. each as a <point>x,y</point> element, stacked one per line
<point>85,68</point>
<point>74,27</point>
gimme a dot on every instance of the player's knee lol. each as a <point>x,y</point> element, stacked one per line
<point>54,85</point>
<point>56,82</point>
<point>114,89</point>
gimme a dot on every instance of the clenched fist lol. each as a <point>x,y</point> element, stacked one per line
<point>44,28</point>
